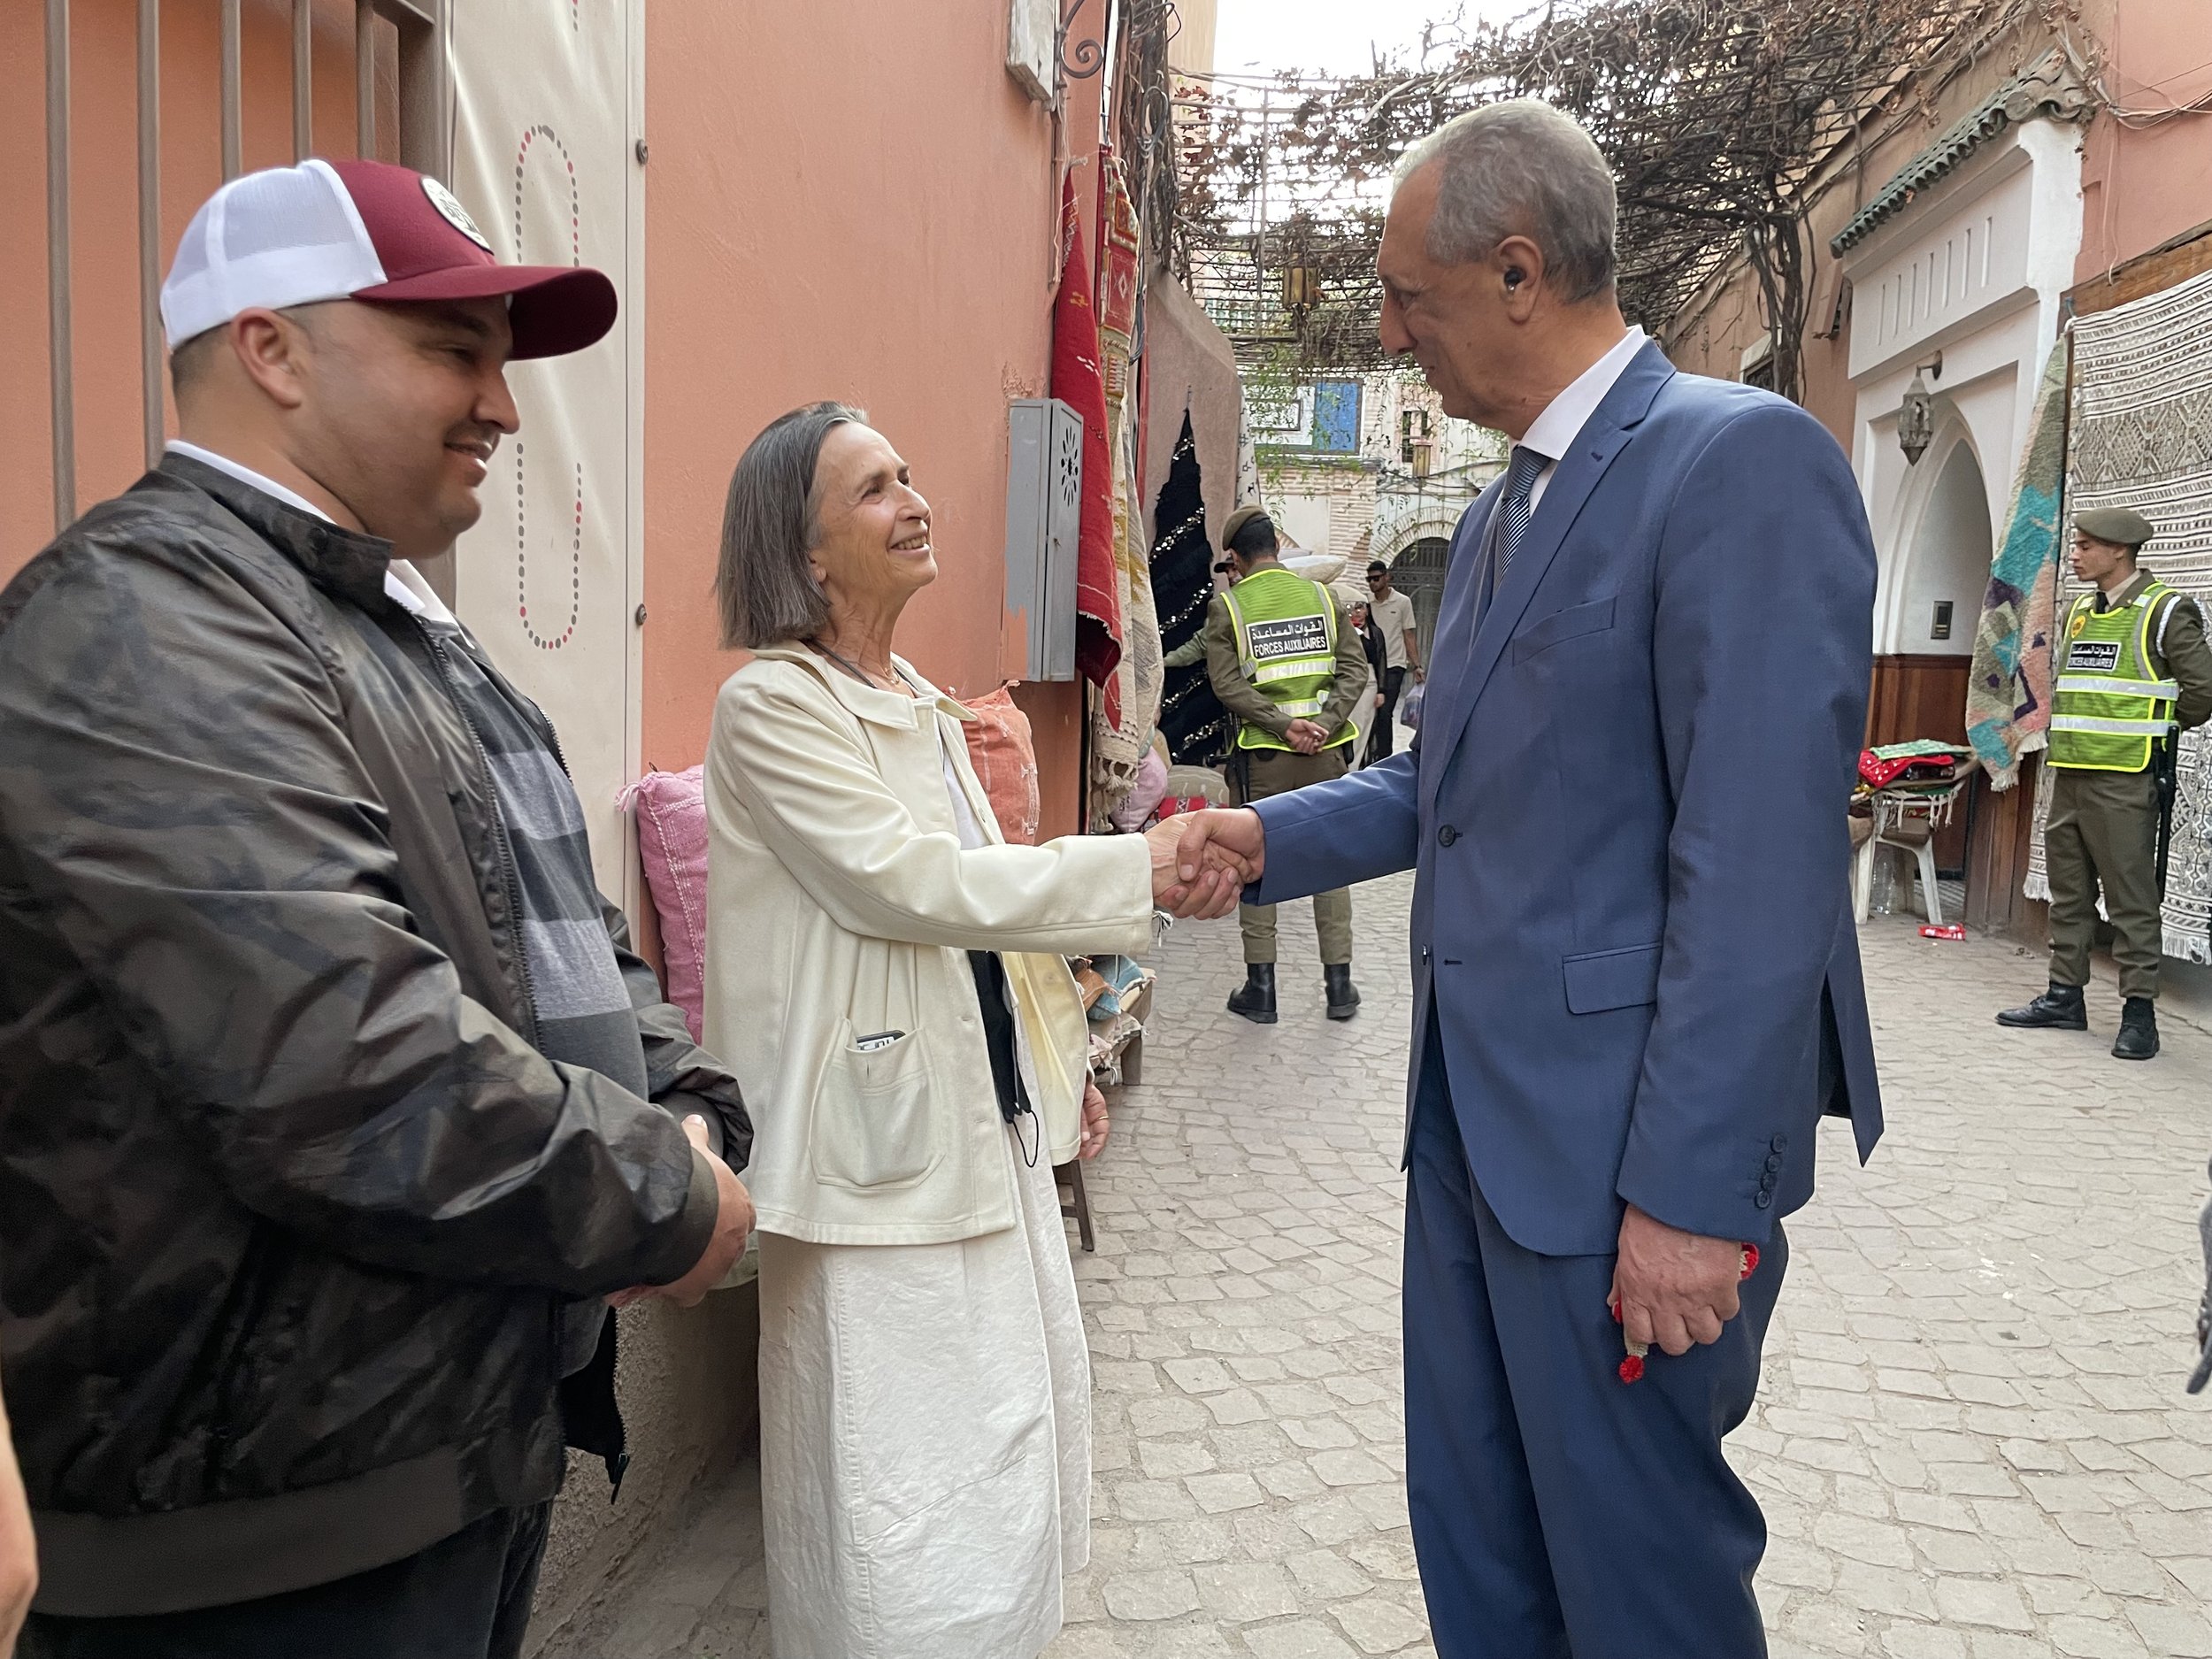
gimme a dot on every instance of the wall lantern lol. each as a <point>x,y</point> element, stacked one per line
<point>1302,290</point>
<point>1916,417</point>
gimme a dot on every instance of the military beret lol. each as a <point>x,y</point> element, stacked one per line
<point>1238,519</point>
<point>2123,527</point>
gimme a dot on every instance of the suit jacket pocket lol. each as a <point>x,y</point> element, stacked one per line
<point>1560,625</point>
<point>874,1126</point>
<point>1600,979</point>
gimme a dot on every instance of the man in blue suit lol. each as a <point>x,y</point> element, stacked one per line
<point>1636,980</point>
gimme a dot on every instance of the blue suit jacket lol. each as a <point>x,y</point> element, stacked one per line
<point>1625,804</point>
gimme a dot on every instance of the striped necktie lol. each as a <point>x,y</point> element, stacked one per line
<point>1521,473</point>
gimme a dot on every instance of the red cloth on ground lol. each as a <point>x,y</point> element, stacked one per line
<point>1078,382</point>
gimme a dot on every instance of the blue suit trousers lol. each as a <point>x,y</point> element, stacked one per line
<point>1557,1511</point>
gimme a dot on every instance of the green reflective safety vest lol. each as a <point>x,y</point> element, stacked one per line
<point>2106,710</point>
<point>1285,629</point>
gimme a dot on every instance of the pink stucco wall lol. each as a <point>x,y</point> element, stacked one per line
<point>848,201</point>
<point>2143,184</point>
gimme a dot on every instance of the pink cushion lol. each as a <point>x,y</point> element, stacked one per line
<point>672,841</point>
<point>1003,752</point>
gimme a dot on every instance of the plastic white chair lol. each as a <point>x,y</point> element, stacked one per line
<point>1907,820</point>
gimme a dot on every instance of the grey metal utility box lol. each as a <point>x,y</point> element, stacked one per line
<point>1044,511</point>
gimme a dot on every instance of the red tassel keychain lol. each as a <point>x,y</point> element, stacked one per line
<point>1632,1368</point>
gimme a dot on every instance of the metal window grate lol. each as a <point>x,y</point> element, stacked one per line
<point>425,143</point>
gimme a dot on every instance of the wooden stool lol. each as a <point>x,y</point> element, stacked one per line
<point>1071,1172</point>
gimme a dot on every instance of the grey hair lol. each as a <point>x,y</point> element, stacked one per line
<point>769,524</point>
<point>1521,168</point>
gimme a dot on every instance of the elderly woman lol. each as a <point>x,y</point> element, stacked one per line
<point>885,976</point>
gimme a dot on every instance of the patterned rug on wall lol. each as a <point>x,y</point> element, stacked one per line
<point>2142,436</point>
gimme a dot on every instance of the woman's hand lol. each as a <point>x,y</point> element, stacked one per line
<point>1094,1125</point>
<point>1210,890</point>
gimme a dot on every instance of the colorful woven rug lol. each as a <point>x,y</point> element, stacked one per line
<point>1122,724</point>
<point>2008,692</point>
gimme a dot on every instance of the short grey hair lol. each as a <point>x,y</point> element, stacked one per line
<point>1521,168</point>
<point>769,524</point>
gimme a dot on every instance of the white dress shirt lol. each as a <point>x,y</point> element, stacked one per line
<point>402,584</point>
<point>1551,434</point>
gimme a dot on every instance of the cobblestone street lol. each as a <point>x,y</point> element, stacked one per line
<point>1971,1441</point>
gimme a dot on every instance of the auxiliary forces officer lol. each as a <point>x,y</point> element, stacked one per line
<point>1289,667</point>
<point>2134,669</point>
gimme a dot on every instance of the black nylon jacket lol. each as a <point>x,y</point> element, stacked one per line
<point>291,1209</point>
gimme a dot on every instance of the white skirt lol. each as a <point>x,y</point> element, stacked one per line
<point>924,1439</point>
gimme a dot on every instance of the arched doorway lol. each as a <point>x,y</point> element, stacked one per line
<point>1945,570</point>
<point>1932,606</point>
<point>1419,575</point>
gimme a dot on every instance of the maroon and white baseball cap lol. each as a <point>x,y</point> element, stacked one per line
<point>364,230</point>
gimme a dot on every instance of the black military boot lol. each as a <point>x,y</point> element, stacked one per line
<point>1255,999</point>
<point>1343,997</point>
<point>2139,1030</point>
<point>2058,1009</point>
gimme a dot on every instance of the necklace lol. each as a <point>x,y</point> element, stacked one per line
<point>854,669</point>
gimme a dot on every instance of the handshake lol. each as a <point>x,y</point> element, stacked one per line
<point>732,1224</point>
<point>1202,861</point>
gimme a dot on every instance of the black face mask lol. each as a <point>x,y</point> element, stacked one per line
<point>998,1033</point>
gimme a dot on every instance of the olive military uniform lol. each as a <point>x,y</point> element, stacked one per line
<point>2102,830</point>
<point>1257,773</point>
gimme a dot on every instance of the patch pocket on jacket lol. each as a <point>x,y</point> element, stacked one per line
<point>1602,980</point>
<point>1562,625</point>
<point>873,1126</point>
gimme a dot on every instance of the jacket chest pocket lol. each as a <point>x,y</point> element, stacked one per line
<point>873,1124</point>
<point>1575,622</point>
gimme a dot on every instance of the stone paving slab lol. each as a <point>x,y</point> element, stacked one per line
<point>1971,1442</point>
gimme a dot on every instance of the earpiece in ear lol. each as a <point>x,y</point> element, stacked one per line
<point>1514,276</point>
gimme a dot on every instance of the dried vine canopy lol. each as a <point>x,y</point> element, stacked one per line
<point>1713,112</point>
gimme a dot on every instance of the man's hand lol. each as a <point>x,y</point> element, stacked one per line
<point>733,1224</point>
<point>1306,736</point>
<point>18,1557</point>
<point>1094,1125</point>
<point>1193,889</point>
<point>1673,1288</point>
<point>1222,835</point>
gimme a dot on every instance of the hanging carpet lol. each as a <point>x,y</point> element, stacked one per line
<point>1122,724</point>
<point>2008,692</point>
<point>1078,382</point>
<point>1191,717</point>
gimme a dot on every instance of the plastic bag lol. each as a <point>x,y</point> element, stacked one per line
<point>1410,710</point>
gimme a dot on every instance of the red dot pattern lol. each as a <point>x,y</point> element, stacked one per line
<point>549,642</point>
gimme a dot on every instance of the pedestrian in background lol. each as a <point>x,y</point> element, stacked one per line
<point>1393,618</point>
<point>2135,671</point>
<point>889,978</point>
<point>1289,668</point>
<point>332,1103</point>
<point>1357,615</point>
<point>1636,978</point>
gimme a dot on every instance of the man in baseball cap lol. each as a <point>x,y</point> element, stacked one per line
<point>332,1104</point>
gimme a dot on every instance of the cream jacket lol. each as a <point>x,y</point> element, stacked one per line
<point>841,907</point>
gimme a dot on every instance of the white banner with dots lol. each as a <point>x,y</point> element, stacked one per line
<point>545,161</point>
